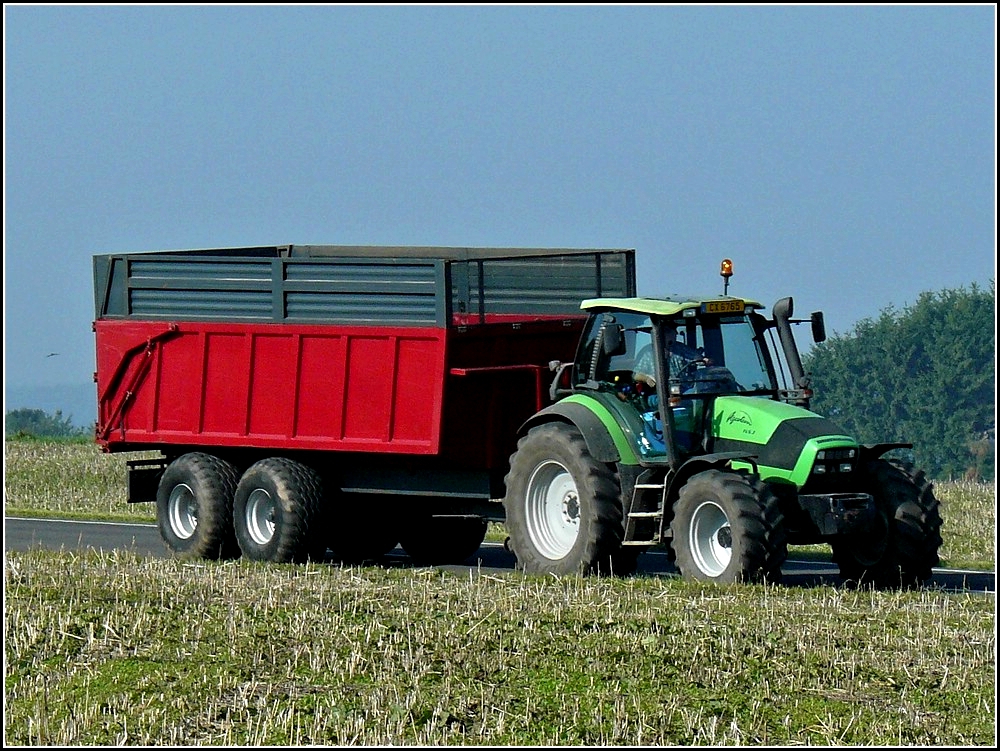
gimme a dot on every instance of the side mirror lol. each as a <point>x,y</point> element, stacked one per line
<point>818,327</point>
<point>613,341</point>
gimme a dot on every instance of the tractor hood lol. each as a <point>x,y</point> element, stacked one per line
<point>784,438</point>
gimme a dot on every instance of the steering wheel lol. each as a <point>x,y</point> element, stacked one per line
<point>692,365</point>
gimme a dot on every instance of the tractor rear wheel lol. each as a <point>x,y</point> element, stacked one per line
<point>194,507</point>
<point>278,512</point>
<point>563,507</point>
<point>727,528</point>
<point>901,549</point>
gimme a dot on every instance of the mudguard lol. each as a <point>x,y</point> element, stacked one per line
<point>872,451</point>
<point>703,462</point>
<point>596,433</point>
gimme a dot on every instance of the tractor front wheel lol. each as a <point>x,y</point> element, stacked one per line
<point>901,548</point>
<point>727,528</point>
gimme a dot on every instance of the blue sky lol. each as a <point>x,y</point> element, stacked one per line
<point>844,155</point>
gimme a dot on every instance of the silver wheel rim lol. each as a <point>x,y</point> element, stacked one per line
<point>182,511</point>
<point>260,514</point>
<point>552,504</point>
<point>711,539</point>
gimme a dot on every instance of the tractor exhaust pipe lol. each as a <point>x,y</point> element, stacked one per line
<point>782,313</point>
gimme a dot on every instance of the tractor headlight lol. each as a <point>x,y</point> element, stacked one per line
<point>830,461</point>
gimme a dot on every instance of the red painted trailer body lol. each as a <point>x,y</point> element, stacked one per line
<point>329,388</point>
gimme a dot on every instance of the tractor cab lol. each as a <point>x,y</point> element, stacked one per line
<point>680,352</point>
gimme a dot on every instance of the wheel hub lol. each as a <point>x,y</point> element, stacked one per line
<point>571,507</point>
<point>725,537</point>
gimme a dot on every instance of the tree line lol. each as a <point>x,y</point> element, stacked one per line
<point>38,423</point>
<point>924,375</point>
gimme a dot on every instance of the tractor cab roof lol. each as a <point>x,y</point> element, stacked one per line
<point>672,305</point>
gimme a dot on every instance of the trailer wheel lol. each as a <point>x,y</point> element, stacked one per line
<point>902,548</point>
<point>727,528</point>
<point>563,507</point>
<point>437,540</point>
<point>194,507</point>
<point>278,512</point>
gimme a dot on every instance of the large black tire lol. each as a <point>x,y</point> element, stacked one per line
<point>564,508</point>
<point>364,527</point>
<point>194,507</point>
<point>436,540</point>
<point>278,512</point>
<point>727,527</point>
<point>901,548</point>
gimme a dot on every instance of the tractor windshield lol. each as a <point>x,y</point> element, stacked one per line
<point>708,355</point>
<point>732,360</point>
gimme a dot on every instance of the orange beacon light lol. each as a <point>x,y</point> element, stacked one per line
<point>725,272</point>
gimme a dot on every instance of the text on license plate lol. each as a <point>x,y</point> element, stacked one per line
<point>724,306</point>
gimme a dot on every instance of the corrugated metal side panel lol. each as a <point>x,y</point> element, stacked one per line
<point>364,291</point>
<point>541,285</point>
<point>337,388</point>
<point>173,286</point>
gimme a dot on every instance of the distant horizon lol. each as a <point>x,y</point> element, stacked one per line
<point>76,401</point>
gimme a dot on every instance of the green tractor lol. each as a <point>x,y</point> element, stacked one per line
<point>677,425</point>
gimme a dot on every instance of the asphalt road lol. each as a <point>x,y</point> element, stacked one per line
<point>144,539</point>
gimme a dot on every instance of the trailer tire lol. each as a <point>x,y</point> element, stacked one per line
<point>563,507</point>
<point>194,507</point>
<point>904,550</point>
<point>278,512</point>
<point>436,540</point>
<point>727,527</point>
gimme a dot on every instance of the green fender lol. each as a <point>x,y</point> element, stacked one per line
<point>605,438</point>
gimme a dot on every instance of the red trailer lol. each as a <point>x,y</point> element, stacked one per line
<point>306,398</point>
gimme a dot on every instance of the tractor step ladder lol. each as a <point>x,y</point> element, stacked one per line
<point>640,511</point>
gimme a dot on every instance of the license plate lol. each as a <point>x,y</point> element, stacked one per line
<point>725,306</point>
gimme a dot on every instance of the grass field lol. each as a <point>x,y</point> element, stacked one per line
<point>109,648</point>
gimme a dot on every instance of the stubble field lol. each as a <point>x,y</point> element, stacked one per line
<point>110,648</point>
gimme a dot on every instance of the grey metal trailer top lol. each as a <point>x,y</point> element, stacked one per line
<point>352,284</point>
